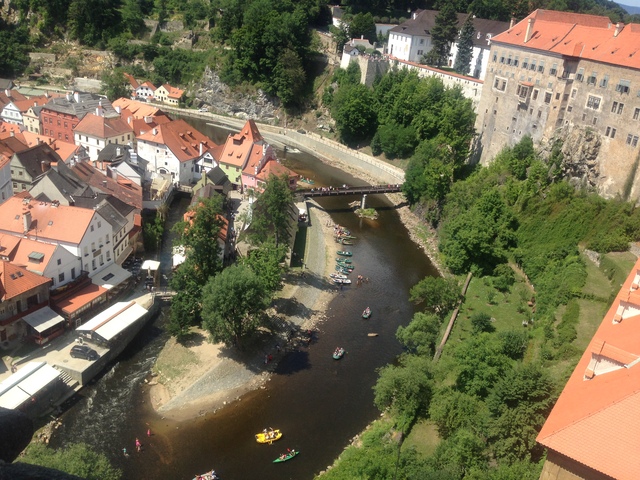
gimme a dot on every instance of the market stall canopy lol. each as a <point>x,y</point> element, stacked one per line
<point>43,319</point>
<point>114,320</point>
<point>26,383</point>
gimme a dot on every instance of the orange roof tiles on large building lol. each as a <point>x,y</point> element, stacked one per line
<point>239,146</point>
<point>23,255</point>
<point>590,37</point>
<point>184,141</point>
<point>595,421</point>
<point>47,221</point>
<point>138,109</point>
<point>16,280</point>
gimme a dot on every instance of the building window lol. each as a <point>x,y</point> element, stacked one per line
<point>617,108</point>
<point>61,277</point>
<point>73,273</point>
<point>59,262</point>
<point>636,113</point>
<point>510,59</point>
<point>623,86</point>
<point>99,224</point>
<point>533,65</point>
<point>92,228</point>
<point>593,102</point>
<point>592,79</point>
<point>541,67</point>
<point>535,94</point>
<point>547,97</point>
<point>595,120</point>
<point>605,81</point>
<point>93,264</point>
<point>554,69</point>
<point>495,57</point>
<point>516,62</point>
<point>573,93</point>
<point>525,63</point>
<point>632,140</point>
<point>523,92</point>
<point>569,108</point>
<point>610,132</point>
<point>422,41</point>
<point>500,84</point>
<point>420,52</point>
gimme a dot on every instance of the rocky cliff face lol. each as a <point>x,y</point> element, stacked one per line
<point>211,92</point>
<point>580,150</point>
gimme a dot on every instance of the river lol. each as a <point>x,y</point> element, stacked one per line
<point>319,403</point>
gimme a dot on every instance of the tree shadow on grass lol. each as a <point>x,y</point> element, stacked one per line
<point>192,339</point>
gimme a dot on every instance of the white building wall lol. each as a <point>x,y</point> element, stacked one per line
<point>61,273</point>
<point>96,253</point>
<point>11,114</point>
<point>479,60</point>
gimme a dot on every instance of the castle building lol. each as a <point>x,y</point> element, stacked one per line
<point>572,77</point>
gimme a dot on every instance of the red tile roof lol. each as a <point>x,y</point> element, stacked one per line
<point>64,149</point>
<point>181,138</point>
<point>101,127</point>
<point>13,96</point>
<point>16,280</point>
<point>137,108</point>
<point>595,421</point>
<point>8,244</point>
<point>56,223</point>
<point>590,37</point>
<point>24,105</point>
<point>20,256</point>
<point>273,167</point>
<point>237,149</point>
<point>81,298</point>
<point>132,81</point>
<point>173,92</point>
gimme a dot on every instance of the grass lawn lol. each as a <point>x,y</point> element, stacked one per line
<point>503,307</point>
<point>423,437</point>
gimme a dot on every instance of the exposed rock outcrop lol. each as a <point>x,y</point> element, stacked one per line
<point>211,92</point>
<point>580,150</point>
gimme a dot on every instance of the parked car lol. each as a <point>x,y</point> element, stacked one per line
<point>203,109</point>
<point>82,351</point>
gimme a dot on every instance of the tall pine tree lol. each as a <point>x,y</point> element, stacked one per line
<point>462,64</point>
<point>443,34</point>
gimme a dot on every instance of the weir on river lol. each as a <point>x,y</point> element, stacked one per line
<point>319,403</point>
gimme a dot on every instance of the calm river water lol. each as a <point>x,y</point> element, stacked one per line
<point>319,403</point>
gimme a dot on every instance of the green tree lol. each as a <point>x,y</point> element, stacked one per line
<point>480,363</point>
<point>481,322</point>
<point>76,459</point>
<point>452,410</point>
<point>421,335</point>
<point>132,17</point>
<point>115,85</point>
<point>443,34</point>
<point>464,56</point>
<point>340,36</point>
<point>395,141</point>
<point>200,235</point>
<point>437,294</point>
<point>94,21</point>
<point>405,390</point>
<point>272,213</point>
<point>464,451</point>
<point>14,46</point>
<point>267,263</point>
<point>289,78</point>
<point>186,304</point>
<point>362,25</point>
<point>354,113</point>
<point>233,304</point>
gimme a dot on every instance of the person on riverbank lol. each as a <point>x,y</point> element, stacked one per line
<point>138,445</point>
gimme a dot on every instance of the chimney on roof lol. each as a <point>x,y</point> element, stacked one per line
<point>529,33</point>
<point>45,165</point>
<point>26,221</point>
<point>7,92</point>
<point>99,110</point>
<point>118,151</point>
<point>12,133</point>
<point>155,131</point>
<point>201,149</point>
<point>39,140</point>
<point>68,97</point>
<point>104,183</point>
<point>512,22</point>
<point>114,173</point>
<point>619,27</point>
<point>148,119</point>
<point>118,109</point>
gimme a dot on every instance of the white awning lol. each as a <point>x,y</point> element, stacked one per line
<point>110,277</point>
<point>114,319</point>
<point>150,265</point>
<point>26,383</point>
<point>43,319</point>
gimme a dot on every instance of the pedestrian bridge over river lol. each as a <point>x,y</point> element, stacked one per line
<point>366,190</point>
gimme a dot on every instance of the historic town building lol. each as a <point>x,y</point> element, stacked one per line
<point>571,77</point>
